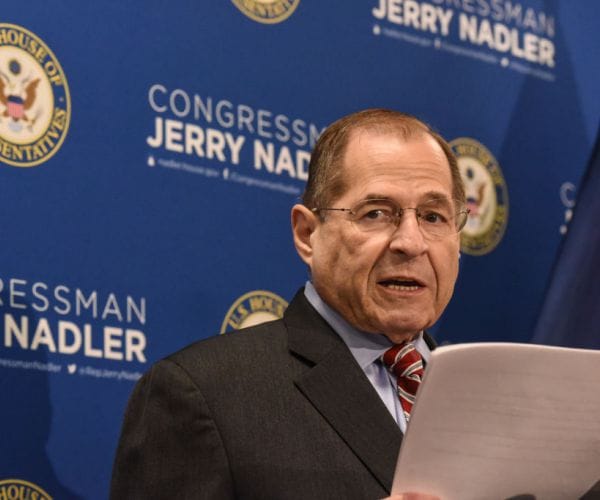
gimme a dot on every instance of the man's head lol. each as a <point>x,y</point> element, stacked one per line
<point>325,176</point>
<point>395,281</point>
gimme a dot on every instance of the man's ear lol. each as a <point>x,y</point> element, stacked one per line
<point>304,223</point>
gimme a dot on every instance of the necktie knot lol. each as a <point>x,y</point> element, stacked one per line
<point>404,361</point>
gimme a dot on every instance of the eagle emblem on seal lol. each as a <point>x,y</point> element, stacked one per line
<point>18,97</point>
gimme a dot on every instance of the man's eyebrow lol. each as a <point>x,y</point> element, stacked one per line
<point>375,196</point>
<point>425,197</point>
<point>436,195</point>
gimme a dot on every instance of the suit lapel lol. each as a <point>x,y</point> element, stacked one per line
<point>337,387</point>
<point>430,341</point>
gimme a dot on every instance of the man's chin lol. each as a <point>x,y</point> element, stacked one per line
<point>401,330</point>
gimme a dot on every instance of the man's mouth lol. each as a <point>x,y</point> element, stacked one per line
<point>408,285</point>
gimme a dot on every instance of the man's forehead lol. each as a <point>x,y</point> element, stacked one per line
<point>377,155</point>
<point>397,131</point>
<point>382,142</point>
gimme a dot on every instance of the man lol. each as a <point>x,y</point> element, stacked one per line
<point>303,407</point>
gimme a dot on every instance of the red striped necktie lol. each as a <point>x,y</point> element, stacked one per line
<point>406,364</point>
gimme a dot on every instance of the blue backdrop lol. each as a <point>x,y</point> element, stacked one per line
<point>150,154</point>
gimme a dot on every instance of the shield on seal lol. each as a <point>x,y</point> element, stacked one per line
<point>15,107</point>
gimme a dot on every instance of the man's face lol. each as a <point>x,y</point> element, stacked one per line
<point>394,284</point>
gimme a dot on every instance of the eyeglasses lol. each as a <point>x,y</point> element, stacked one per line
<point>437,218</point>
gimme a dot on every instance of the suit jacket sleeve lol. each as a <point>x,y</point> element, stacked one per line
<point>170,446</point>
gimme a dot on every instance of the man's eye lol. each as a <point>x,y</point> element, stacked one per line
<point>434,218</point>
<point>374,214</point>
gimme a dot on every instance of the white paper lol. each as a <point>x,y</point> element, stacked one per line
<point>493,421</point>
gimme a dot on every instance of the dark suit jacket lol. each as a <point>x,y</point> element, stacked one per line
<point>278,411</point>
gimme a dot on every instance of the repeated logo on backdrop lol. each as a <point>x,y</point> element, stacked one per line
<point>229,142</point>
<point>76,332</point>
<point>35,106</point>
<point>253,308</point>
<point>487,196</point>
<point>508,34</point>
<point>267,11</point>
<point>17,489</point>
<point>568,199</point>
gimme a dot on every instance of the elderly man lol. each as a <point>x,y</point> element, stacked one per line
<point>314,405</point>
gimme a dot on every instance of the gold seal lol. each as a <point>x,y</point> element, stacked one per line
<point>267,11</point>
<point>487,197</point>
<point>35,105</point>
<point>17,488</point>
<point>253,308</point>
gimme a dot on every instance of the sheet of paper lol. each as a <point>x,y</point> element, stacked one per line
<point>493,421</point>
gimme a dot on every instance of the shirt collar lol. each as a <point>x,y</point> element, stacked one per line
<point>365,347</point>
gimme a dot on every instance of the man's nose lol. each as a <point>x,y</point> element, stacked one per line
<point>407,237</point>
